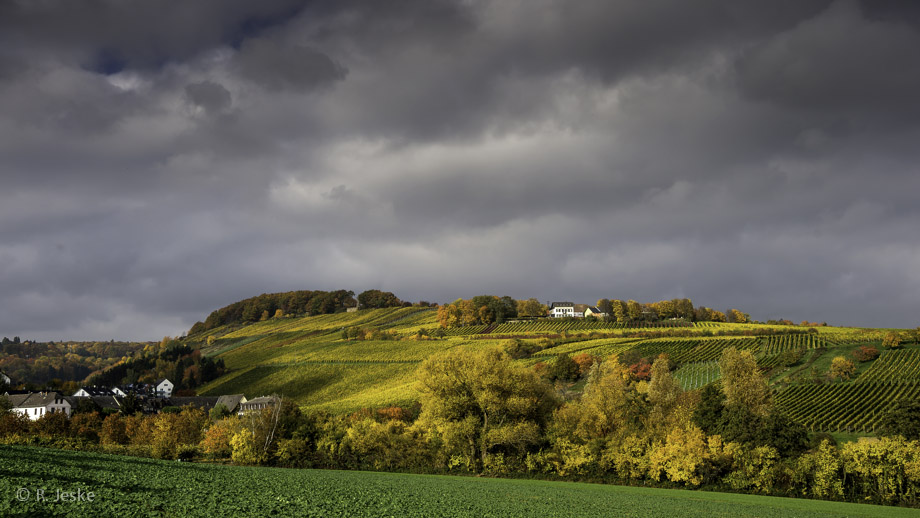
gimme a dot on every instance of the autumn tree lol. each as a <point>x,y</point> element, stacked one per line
<point>842,368</point>
<point>620,311</point>
<point>742,382</point>
<point>665,309</point>
<point>609,405</point>
<point>531,308</point>
<point>865,353</point>
<point>892,340</point>
<point>633,310</point>
<point>663,388</point>
<point>113,430</point>
<point>565,368</point>
<point>605,306</point>
<point>449,316</point>
<point>479,402</point>
<point>736,316</point>
<point>584,361</point>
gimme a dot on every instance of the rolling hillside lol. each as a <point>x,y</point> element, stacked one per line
<point>308,360</point>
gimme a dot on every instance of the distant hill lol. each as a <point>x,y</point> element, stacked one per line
<point>343,362</point>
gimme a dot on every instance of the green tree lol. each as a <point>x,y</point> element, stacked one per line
<point>480,402</point>
<point>708,412</point>
<point>742,382</point>
<point>564,368</point>
<point>903,419</point>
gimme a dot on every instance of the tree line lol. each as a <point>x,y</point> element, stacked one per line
<point>60,365</point>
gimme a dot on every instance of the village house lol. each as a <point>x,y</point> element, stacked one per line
<point>34,405</point>
<point>258,404</point>
<point>594,311</point>
<point>93,391</point>
<point>163,387</point>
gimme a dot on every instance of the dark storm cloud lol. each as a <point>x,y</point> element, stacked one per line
<point>159,162</point>
<point>287,67</point>
<point>108,36</point>
<point>210,96</point>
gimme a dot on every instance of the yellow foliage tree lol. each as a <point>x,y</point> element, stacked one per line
<point>742,382</point>
<point>842,368</point>
<point>682,458</point>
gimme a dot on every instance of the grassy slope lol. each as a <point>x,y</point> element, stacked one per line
<point>306,359</point>
<point>127,487</point>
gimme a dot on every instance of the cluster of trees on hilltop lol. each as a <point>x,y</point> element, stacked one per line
<point>270,305</point>
<point>632,311</point>
<point>376,299</point>
<point>482,309</point>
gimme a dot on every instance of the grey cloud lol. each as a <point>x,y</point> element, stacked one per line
<point>287,67</point>
<point>210,96</point>
<point>136,34</point>
<point>840,63</point>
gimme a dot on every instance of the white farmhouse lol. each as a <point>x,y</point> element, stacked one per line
<point>562,309</point>
<point>60,403</point>
<point>36,404</point>
<point>163,387</point>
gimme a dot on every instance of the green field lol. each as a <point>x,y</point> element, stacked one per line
<point>127,487</point>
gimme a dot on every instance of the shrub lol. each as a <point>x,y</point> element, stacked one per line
<point>187,451</point>
<point>865,353</point>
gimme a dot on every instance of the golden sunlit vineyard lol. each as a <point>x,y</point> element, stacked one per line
<point>844,407</point>
<point>308,359</point>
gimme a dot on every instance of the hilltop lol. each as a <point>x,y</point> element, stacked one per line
<point>346,361</point>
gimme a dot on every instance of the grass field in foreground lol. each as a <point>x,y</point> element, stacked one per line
<point>128,486</point>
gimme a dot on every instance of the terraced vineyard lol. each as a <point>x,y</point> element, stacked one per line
<point>844,407</point>
<point>688,350</point>
<point>697,375</point>
<point>894,366</point>
<point>777,344</point>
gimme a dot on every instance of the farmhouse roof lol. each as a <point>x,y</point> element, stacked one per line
<point>562,304</point>
<point>107,402</point>
<point>231,401</point>
<point>96,391</point>
<point>33,399</point>
<point>18,399</point>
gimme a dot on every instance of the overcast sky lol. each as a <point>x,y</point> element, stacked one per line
<point>159,160</point>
